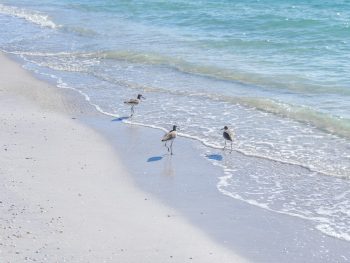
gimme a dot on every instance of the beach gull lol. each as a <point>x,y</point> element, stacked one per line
<point>228,136</point>
<point>134,102</point>
<point>170,136</point>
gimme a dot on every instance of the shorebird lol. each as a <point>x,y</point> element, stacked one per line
<point>134,102</point>
<point>228,136</point>
<point>170,136</point>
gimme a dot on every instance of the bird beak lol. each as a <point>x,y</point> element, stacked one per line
<point>222,129</point>
<point>143,97</point>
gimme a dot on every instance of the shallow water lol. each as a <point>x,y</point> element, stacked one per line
<point>276,73</point>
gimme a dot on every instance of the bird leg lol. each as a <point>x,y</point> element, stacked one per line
<point>231,147</point>
<point>171,147</point>
<point>225,145</point>
<point>132,110</point>
<point>166,145</point>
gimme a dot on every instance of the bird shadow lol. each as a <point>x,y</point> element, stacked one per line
<point>120,119</point>
<point>154,159</point>
<point>216,157</point>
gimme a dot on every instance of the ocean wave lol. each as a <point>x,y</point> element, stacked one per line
<point>323,121</point>
<point>328,123</point>
<point>61,61</point>
<point>280,81</point>
<point>30,16</point>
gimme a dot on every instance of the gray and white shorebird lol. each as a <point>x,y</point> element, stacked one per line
<point>228,136</point>
<point>134,102</point>
<point>170,136</point>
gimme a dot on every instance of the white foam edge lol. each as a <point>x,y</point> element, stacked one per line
<point>34,17</point>
<point>322,224</point>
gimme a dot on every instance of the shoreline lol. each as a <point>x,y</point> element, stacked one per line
<point>185,186</point>
<point>66,197</point>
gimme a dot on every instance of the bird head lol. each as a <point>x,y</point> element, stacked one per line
<point>225,128</point>
<point>174,127</point>
<point>139,96</point>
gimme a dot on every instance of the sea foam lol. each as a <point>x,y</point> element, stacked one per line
<point>30,16</point>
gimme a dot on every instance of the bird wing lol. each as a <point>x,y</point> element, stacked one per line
<point>228,135</point>
<point>170,135</point>
<point>232,134</point>
<point>132,101</point>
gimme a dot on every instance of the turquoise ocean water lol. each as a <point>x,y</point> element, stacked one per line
<point>277,72</point>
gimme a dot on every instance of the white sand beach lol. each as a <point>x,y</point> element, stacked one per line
<point>65,196</point>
